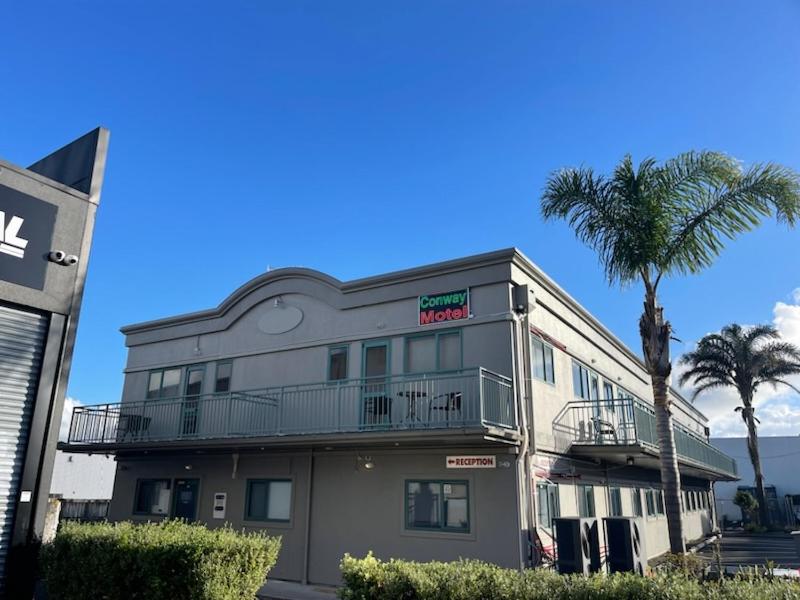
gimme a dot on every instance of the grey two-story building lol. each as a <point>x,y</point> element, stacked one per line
<point>451,410</point>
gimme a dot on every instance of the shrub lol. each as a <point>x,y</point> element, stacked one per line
<point>372,579</point>
<point>170,560</point>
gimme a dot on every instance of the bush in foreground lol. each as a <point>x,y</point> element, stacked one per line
<point>372,579</point>
<point>171,560</point>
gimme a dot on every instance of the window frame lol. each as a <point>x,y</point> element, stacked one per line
<point>160,395</point>
<point>552,503</point>
<point>217,365</point>
<point>615,497</point>
<point>444,528</point>
<point>544,350</point>
<point>436,335</point>
<point>636,501</point>
<point>586,493</point>
<point>268,480</point>
<point>331,350</point>
<point>139,482</point>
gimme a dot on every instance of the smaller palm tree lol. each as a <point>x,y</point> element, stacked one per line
<point>744,358</point>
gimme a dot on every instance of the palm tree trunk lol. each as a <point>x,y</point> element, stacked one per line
<point>656,333</point>
<point>752,448</point>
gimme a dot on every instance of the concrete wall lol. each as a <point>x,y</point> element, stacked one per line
<point>83,476</point>
<point>586,341</point>
<point>778,461</point>
<point>569,475</point>
<point>352,510</point>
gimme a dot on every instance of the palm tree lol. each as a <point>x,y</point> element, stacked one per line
<point>743,358</point>
<point>654,221</point>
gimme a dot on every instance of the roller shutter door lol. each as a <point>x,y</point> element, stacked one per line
<point>22,336</point>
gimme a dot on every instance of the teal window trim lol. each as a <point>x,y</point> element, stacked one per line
<point>217,365</point>
<point>545,349</point>
<point>139,483</point>
<point>615,502</point>
<point>331,350</point>
<point>587,506</point>
<point>636,500</point>
<point>549,504</point>
<point>435,335</point>
<point>371,344</point>
<point>160,394</point>
<point>248,516</point>
<point>441,483</point>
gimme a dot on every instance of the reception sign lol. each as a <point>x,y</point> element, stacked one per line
<point>440,308</point>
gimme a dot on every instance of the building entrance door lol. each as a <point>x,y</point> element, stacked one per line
<point>185,506</point>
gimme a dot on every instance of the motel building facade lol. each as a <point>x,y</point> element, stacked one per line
<point>451,410</point>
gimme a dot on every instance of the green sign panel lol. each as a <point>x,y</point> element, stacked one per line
<point>439,308</point>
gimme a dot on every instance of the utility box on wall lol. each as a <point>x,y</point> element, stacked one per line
<point>47,214</point>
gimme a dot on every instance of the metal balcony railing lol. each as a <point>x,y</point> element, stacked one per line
<point>631,421</point>
<point>454,399</point>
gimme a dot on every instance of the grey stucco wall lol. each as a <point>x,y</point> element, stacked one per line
<point>353,510</point>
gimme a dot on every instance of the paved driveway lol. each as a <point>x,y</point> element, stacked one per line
<point>746,549</point>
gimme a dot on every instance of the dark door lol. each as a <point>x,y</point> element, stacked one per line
<point>185,499</point>
<point>377,403</point>
<point>190,407</point>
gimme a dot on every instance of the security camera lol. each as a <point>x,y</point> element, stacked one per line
<point>69,260</point>
<point>56,256</point>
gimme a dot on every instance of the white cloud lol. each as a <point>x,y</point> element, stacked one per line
<point>66,417</point>
<point>777,408</point>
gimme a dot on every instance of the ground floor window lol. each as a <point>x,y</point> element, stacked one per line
<point>615,502</point>
<point>268,500</point>
<point>655,502</point>
<point>438,505</point>
<point>636,496</point>
<point>586,501</point>
<point>152,497</point>
<point>548,507</point>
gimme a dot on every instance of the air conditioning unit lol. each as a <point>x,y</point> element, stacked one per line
<point>625,544</point>
<point>577,545</point>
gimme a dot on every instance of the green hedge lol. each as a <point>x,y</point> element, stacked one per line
<point>371,579</point>
<point>171,560</point>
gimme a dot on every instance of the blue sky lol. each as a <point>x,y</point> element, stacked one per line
<point>361,137</point>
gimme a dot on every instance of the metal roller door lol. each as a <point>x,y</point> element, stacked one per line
<point>22,336</point>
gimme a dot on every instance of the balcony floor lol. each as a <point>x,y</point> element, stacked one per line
<point>452,437</point>
<point>645,456</point>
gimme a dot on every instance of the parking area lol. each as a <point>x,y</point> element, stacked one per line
<point>745,549</point>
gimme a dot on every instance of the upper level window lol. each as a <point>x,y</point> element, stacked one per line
<point>337,363</point>
<point>164,383</point>
<point>442,505</point>
<point>608,391</point>
<point>548,506</point>
<point>586,383</point>
<point>586,501</point>
<point>439,351</point>
<point>542,356</point>
<point>222,380</point>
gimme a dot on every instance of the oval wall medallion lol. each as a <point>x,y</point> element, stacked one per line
<point>280,319</point>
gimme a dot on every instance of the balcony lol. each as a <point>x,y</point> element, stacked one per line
<point>474,399</point>
<point>620,429</point>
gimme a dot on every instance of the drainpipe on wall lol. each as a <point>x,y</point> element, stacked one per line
<point>523,458</point>
<point>308,515</point>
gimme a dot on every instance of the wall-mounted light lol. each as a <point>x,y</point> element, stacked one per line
<point>365,462</point>
<point>187,467</point>
<point>629,461</point>
<point>278,301</point>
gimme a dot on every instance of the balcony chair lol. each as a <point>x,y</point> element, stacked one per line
<point>133,425</point>
<point>447,402</point>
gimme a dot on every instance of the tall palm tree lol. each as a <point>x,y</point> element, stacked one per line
<point>743,358</point>
<point>657,220</point>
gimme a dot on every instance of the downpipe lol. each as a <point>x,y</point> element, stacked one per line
<point>524,495</point>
